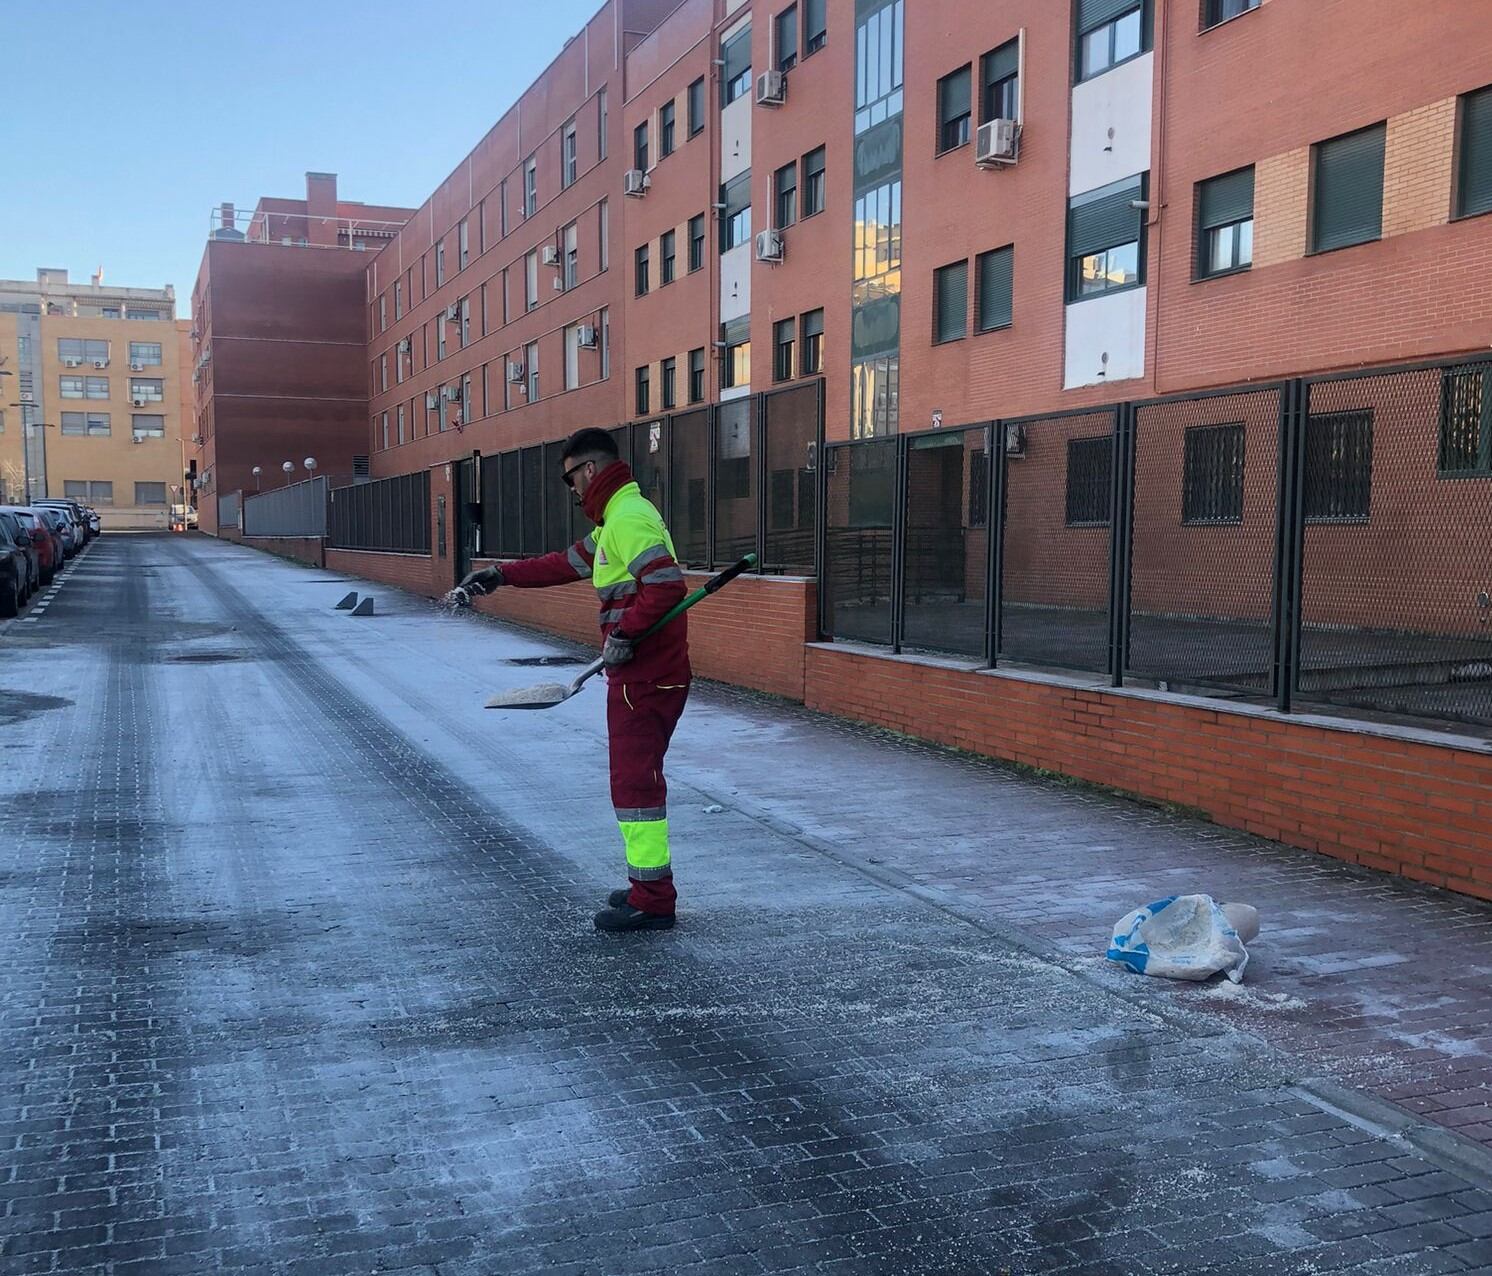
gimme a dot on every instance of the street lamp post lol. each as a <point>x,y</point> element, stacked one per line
<point>289,468</point>
<point>257,472</point>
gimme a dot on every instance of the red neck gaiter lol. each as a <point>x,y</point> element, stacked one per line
<point>606,484</point>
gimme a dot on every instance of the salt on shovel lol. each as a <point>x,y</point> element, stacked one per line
<point>548,694</point>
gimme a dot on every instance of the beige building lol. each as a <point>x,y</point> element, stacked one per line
<point>92,408</point>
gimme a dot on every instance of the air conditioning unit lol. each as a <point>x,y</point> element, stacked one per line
<point>139,403</point>
<point>999,143</point>
<point>636,182</point>
<point>1015,440</point>
<point>515,372</point>
<point>586,336</point>
<point>404,346</point>
<point>769,245</point>
<point>453,393</point>
<point>72,363</point>
<point>196,440</point>
<point>432,401</point>
<point>771,88</point>
<point>101,363</point>
<point>453,313</point>
<point>549,255</point>
<point>137,366</point>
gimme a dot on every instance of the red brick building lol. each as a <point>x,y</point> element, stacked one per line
<point>1068,211</point>
<point>278,343</point>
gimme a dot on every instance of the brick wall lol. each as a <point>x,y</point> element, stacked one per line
<point>304,549</point>
<point>407,571</point>
<point>1419,809</point>
<point>1417,162</point>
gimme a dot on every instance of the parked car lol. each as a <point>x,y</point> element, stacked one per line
<point>95,523</point>
<point>14,568</point>
<point>20,536</point>
<point>74,513</point>
<point>60,529</point>
<point>48,544</point>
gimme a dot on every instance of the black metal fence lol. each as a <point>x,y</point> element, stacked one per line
<point>1325,539</point>
<point>298,509</point>
<point>391,514</point>
<point>731,479</point>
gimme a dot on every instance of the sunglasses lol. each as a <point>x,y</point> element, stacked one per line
<point>569,475</point>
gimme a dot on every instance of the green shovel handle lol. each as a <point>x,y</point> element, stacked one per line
<point>703,592</point>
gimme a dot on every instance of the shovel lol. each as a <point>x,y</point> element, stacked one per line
<point>548,694</point>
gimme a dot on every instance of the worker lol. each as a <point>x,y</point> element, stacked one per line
<point>629,557</point>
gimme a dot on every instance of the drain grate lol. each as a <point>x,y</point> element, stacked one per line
<point>546,661</point>
<point>204,657</point>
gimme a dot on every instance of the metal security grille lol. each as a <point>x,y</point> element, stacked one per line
<point>510,543</point>
<point>1057,573</point>
<point>790,427</point>
<point>859,507</point>
<point>1395,592</point>
<point>689,486</point>
<point>492,505</point>
<point>229,508</point>
<point>297,510</point>
<point>1203,583</point>
<point>391,514</point>
<point>945,554</point>
<point>532,463</point>
<point>650,461</point>
<point>737,449</point>
<point>557,500</point>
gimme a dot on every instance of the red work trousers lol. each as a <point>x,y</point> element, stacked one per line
<point>640,720</point>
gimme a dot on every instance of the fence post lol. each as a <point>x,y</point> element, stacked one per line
<point>1121,494</point>
<point>899,543</point>
<point>759,467</point>
<point>1290,542</point>
<point>994,527</point>
<point>821,529</point>
<point>712,424</point>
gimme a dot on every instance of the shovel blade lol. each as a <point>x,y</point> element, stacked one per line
<point>544,696</point>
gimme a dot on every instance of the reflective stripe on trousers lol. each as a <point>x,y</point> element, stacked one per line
<point>640,720</point>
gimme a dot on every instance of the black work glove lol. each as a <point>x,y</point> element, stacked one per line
<point>618,649</point>
<point>483,581</point>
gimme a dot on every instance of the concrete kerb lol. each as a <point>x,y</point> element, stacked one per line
<point>1381,1117</point>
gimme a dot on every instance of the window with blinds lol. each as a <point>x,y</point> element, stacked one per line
<point>951,301</point>
<point>1090,470</point>
<point>1212,481</point>
<point>1339,467</point>
<point>1348,186</point>
<point>1465,422</point>
<point>994,278</point>
<point>1474,178</point>
<point>1225,223</point>
<point>1104,241</point>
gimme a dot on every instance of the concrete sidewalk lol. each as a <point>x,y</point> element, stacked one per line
<point>299,978</point>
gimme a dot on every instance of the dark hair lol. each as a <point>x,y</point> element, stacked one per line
<point>590,442</point>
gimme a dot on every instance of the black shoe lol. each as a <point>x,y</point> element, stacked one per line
<point>618,899</point>
<point>628,918</point>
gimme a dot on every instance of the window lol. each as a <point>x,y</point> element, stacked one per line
<point>815,26</point>
<point>697,106</point>
<point>640,270</point>
<point>1212,482</point>
<point>1215,11</point>
<point>666,374</point>
<point>1465,422</point>
<point>736,54</point>
<point>665,130</point>
<point>398,300</point>
<point>951,302</point>
<point>399,424</point>
<point>481,227</point>
<point>569,155</point>
<point>96,388</point>
<point>440,340</point>
<point>813,182</point>
<point>696,242</point>
<point>440,262</point>
<point>640,147</point>
<point>463,333</point>
<point>484,320</point>
<point>383,314</point>
<point>979,477</point>
<point>1225,223</point>
<point>813,342</point>
<point>697,375</point>
<point>603,334</point>
<point>666,256</point>
<point>530,187</point>
<point>1474,178</point>
<point>1339,467</point>
<point>79,351</point>
<point>146,352</point>
<point>735,217</point>
<point>153,388</point>
<point>994,284</point>
<point>783,346</point>
<point>644,394</point>
<point>953,110</point>
<point>1104,241</point>
<point>603,226</point>
<point>572,357</point>
<point>86,423</point>
<point>736,364</point>
<point>88,491</point>
<point>502,205</point>
<point>383,374</point>
<point>463,244</point>
<point>572,255</point>
<point>150,493</point>
<point>601,122</point>
<point>384,434</point>
<point>530,281</point>
<point>1348,189</point>
<point>144,426</point>
<point>786,28</point>
<point>1000,83</point>
<point>785,195</point>
<point>402,359</point>
<point>1110,32</point>
<point>531,363</point>
<point>1090,467</point>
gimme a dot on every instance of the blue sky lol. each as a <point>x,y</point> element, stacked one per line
<point>136,117</point>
